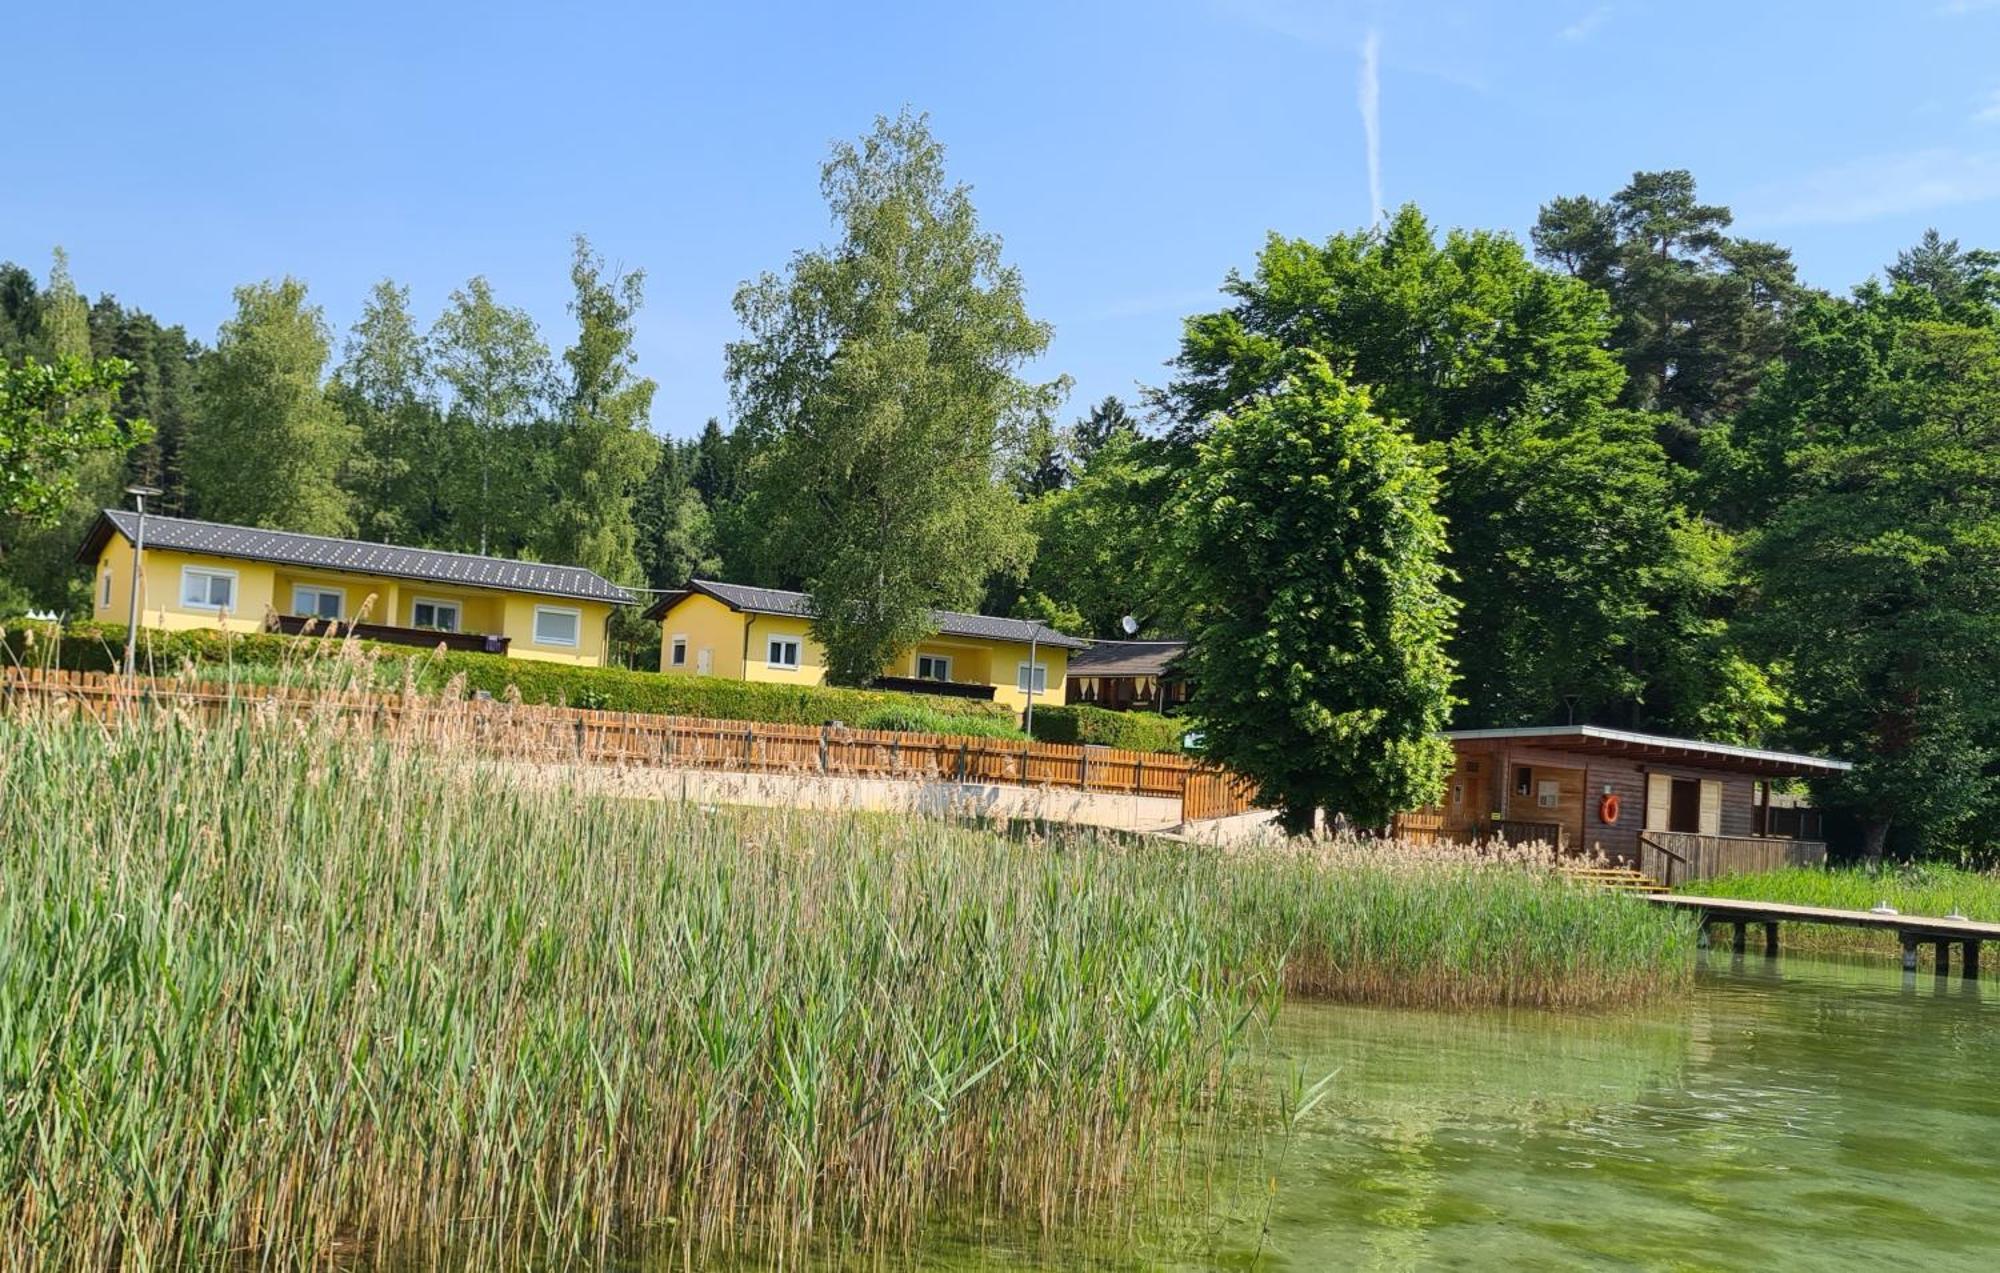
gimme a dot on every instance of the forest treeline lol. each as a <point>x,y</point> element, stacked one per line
<point>1676,488</point>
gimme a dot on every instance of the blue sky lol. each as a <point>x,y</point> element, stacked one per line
<point>1129,154</point>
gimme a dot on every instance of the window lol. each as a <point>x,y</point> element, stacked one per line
<point>441,615</point>
<point>679,655</point>
<point>1040,680</point>
<point>933,667</point>
<point>204,589</point>
<point>782,652</point>
<point>557,625</point>
<point>318,602</point>
<point>104,594</point>
<point>1548,794</point>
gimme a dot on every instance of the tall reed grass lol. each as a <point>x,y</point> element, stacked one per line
<point>279,994</point>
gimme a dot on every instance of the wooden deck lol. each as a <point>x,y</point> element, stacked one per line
<point>1911,930</point>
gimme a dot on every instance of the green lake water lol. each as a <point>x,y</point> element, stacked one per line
<point>1788,1114</point>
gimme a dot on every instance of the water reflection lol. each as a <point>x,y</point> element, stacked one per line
<point>1790,1113</point>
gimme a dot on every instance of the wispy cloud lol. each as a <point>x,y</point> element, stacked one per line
<point>1369,94</point>
<point>1880,186</point>
<point>1959,8</point>
<point>1584,27</point>
<point>1989,110</point>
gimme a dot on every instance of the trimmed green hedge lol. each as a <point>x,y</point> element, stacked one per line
<point>99,647</point>
<point>1131,731</point>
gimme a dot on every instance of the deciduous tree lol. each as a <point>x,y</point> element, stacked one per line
<point>1312,550</point>
<point>880,380</point>
<point>604,450</point>
<point>270,448</point>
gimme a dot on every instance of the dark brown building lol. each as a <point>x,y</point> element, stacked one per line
<point>1673,807</point>
<point>1128,676</point>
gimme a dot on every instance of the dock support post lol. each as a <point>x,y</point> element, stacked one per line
<point>1742,930</point>
<point>1770,938</point>
<point>1909,952</point>
<point>1943,950</point>
<point>1972,961</point>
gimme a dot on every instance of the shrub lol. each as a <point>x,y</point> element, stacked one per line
<point>1131,731</point>
<point>99,647</point>
<point>919,719</point>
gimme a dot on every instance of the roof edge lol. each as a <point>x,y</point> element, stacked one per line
<point>1637,739</point>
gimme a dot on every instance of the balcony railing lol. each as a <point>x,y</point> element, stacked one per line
<point>428,638</point>
<point>1678,857</point>
<point>924,685</point>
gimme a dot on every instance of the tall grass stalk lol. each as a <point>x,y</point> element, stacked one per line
<point>273,992</point>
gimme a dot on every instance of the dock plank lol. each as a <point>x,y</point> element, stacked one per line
<point>1743,910</point>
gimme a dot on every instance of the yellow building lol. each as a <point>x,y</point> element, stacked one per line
<point>762,634</point>
<point>211,575</point>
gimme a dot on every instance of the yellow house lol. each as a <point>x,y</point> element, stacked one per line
<point>209,575</point>
<point>762,634</point>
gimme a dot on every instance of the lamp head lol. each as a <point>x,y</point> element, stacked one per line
<point>1130,624</point>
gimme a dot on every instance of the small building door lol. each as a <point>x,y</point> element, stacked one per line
<point>1689,805</point>
<point>704,659</point>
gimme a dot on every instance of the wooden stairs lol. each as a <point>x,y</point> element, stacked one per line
<point>1619,879</point>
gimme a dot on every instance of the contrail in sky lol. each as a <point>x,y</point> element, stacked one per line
<point>1370,95</point>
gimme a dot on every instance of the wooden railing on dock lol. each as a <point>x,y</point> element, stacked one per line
<point>520,731</point>
<point>1676,857</point>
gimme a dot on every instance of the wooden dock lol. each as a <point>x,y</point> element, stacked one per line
<point>1911,930</point>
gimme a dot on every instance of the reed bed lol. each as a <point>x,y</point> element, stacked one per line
<point>1914,889</point>
<point>277,993</point>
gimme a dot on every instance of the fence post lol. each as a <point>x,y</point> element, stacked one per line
<point>822,748</point>
<point>961,759</point>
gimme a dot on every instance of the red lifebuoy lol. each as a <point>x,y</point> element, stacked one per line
<point>1607,809</point>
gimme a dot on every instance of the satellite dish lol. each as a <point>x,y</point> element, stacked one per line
<point>1130,624</point>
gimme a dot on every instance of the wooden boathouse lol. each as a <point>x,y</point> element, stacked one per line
<point>1676,809</point>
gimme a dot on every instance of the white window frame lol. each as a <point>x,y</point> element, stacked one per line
<point>436,604</point>
<point>944,659</point>
<point>105,593</point>
<point>1041,677</point>
<point>772,646</point>
<point>298,608</point>
<point>677,650</point>
<point>207,573</point>
<point>576,616</point>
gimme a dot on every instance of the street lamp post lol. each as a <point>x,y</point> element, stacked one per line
<point>1034,637</point>
<point>139,494</point>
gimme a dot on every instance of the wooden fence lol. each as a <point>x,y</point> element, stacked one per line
<point>1677,857</point>
<point>523,732</point>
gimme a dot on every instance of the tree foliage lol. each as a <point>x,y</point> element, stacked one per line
<point>604,449</point>
<point>499,381</point>
<point>1874,458</point>
<point>1312,547</point>
<point>53,416</point>
<point>1571,544</point>
<point>879,381</point>
<point>272,448</point>
<point>1700,313</point>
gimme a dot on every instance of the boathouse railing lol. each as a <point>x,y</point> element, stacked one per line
<point>1675,857</point>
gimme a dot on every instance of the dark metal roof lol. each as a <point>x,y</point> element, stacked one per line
<point>1127,658</point>
<point>744,597</point>
<point>1621,742</point>
<point>288,548</point>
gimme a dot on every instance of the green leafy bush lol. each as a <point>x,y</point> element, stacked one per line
<point>1130,731</point>
<point>917,718</point>
<point>267,657</point>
